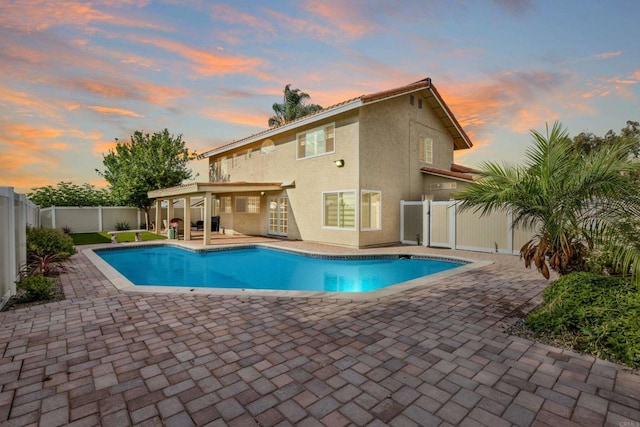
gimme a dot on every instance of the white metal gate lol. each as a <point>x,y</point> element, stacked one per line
<point>414,222</point>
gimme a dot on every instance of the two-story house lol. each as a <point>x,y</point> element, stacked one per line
<point>336,176</point>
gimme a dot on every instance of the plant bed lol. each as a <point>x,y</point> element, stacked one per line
<point>15,303</point>
<point>590,314</point>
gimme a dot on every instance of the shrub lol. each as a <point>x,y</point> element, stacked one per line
<point>600,313</point>
<point>66,229</point>
<point>44,265</point>
<point>36,288</point>
<point>47,241</point>
<point>122,226</point>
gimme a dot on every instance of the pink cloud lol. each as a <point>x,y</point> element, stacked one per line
<point>230,15</point>
<point>606,55</point>
<point>114,111</point>
<point>243,118</point>
<point>207,63</point>
<point>39,15</point>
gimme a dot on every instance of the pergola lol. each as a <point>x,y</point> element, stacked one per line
<point>205,190</point>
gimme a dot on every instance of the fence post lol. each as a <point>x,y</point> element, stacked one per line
<point>510,230</point>
<point>53,217</point>
<point>452,225</point>
<point>426,222</point>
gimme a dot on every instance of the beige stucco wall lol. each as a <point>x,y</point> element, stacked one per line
<point>389,157</point>
<point>379,144</point>
<point>312,176</point>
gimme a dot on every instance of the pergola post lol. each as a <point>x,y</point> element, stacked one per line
<point>187,218</point>
<point>170,215</point>
<point>207,218</point>
<point>158,226</point>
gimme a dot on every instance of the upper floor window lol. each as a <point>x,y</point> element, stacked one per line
<point>234,161</point>
<point>248,154</point>
<point>267,147</point>
<point>218,170</point>
<point>426,150</point>
<point>316,142</point>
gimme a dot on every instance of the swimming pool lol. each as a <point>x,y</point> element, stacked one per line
<point>267,269</point>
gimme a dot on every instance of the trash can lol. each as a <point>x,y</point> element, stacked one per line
<point>215,223</point>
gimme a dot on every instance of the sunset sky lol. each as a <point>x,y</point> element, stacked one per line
<point>74,75</point>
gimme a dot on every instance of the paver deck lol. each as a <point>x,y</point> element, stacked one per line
<point>434,355</point>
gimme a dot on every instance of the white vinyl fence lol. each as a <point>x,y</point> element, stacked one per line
<point>16,213</point>
<point>444,225</point>
<point>90,219</point>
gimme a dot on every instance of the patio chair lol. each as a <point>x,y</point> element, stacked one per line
<point>199,225</point>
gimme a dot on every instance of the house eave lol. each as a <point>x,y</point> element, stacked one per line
<point>356,103</point>
<point>202,188</point>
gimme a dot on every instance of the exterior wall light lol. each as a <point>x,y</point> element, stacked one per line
<point>339,163</point>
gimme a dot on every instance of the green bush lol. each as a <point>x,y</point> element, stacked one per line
<point>600,313</point>
<point>122,226</point>
<point>36,288</point>
<point>47,241</point>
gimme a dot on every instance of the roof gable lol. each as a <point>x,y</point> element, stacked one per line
<point>433,100</point>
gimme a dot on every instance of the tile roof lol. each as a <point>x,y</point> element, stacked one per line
<point>446,173</point>
<point>461,140</point>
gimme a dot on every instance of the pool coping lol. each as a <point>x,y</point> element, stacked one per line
<point>122,283</point>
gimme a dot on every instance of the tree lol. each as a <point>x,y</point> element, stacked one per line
<point>69,194</point>
<point>572,200</point>
<point>292,107</point>
<point>587,141</point>
<point>148,162</point>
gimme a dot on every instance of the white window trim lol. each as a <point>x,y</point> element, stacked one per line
<point>356,211</point>
<point>371,228</point>
<point>313,130</point>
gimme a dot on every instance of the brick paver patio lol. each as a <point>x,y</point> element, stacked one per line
<point>434,355</point>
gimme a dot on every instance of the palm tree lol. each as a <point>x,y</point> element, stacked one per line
<point>292,107</point>
<point>574,201</point>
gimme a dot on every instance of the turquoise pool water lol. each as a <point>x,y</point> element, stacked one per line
<point>262,268</point>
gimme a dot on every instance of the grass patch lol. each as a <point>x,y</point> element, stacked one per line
<point>596,314</point>
<point>104,237</point>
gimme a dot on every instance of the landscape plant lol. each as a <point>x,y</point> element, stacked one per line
<point>146,163</point>
<point>122,226</point>
<point>593,313</point>
<point>293,106</point>
<point>575,200</point>
<point>35,288</point>
<point>48,241</point>
<point>69,194</point>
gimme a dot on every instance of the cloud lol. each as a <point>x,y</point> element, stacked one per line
<point>258,120</point>
<point>114,111</point>
<point>40,15</point>
<point>207,63</point>
<point>351,19</point>
<point>516,7</point>
<point>102,147</point>
<point>228,14</point>
<point>606,55</point>
<point>118,89</point>
<point>517,101</point>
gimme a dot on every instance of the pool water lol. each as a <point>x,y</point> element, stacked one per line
<point>262,268</point>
